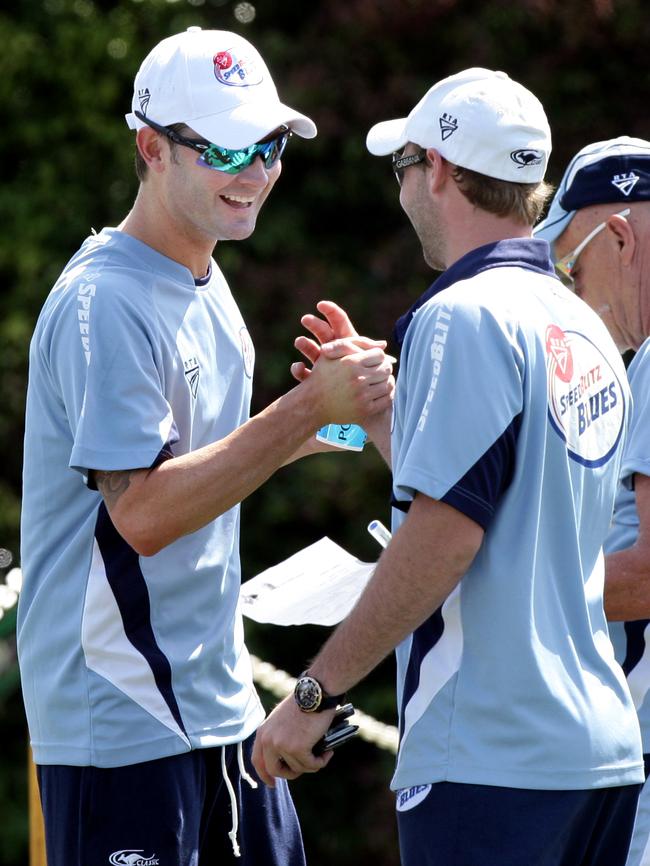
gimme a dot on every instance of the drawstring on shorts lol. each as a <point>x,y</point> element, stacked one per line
<point>232,835</point>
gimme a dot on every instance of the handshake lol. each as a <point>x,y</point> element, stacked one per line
<point>350,378</point>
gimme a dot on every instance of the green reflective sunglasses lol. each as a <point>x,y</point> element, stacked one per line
<point>222,158</point>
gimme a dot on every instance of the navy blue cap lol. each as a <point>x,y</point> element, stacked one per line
<point>613,171</point>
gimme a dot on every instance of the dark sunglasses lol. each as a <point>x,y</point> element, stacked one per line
<point>223,158</point>
<point>402,162</point>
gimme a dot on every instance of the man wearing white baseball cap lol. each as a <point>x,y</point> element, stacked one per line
<point>598,226</point>
<point>519,743</point>
<point>138,451</point>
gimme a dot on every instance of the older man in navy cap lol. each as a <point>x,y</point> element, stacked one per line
<point>599,229</point>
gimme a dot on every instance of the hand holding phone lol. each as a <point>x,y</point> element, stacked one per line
<point>338,732</point>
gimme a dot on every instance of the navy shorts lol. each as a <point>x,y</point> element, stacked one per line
<point>453,824</point>
<point>172,812</point>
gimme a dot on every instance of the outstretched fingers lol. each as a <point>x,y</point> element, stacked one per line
<point>337,318</point>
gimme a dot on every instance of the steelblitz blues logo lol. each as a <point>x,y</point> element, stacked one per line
<point>586,401</point>
<point>236,70</point>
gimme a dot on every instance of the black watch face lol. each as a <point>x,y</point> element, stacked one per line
<point>308,694</point>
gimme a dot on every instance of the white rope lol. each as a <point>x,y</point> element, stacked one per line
<point>277,682</point>
<point>280,684</point>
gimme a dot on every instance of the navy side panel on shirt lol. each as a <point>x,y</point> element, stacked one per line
<point>125,577</point>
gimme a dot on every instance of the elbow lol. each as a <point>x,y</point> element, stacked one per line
<point>140,532</point>
<point>147,547</point>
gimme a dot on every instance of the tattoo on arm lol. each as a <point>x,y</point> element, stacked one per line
<point>113,484</point>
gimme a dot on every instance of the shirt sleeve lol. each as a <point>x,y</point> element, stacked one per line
<point>459,403</point>
<point>636,456</point>
<point>109,371</point>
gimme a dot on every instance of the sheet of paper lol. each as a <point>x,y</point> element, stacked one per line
<point>318,585</point>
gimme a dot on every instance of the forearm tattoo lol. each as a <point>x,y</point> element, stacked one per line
<point>112,485</point>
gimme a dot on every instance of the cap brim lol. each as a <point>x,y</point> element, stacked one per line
<point>387,137</point>
<point>250,122</point>
<point>556,221</point>
<point>244,125</point>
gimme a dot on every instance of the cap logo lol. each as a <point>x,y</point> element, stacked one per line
<point>526,158</point>
<point>236,70</point>
<point>448,125</point>
<point>143,98</point>
<point>625,183</point>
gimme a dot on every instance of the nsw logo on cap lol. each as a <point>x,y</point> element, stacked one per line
<point>236,70</point>
<point>625,182</point>
<point>448,125</point>
<point>143,98</point>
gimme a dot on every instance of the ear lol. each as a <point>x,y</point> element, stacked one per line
<point>440,171</point>
<point>623,234</point>
<point>149,143</point>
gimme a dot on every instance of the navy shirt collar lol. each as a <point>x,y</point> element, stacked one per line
<point>530,253</point>
<point>203,281</point>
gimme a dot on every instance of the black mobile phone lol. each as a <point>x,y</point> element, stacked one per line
<point>338,732</point>
<point>342,712</point>
<point>335,737</point>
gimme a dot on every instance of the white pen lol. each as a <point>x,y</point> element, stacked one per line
<point>379,532</point>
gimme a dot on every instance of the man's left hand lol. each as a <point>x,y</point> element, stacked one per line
<point>284,743</point>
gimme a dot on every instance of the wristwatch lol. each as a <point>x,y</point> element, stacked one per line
<point>311,697</point>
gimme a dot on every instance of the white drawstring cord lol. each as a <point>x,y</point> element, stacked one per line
<point>242,769</point>
<point>233,805</point>
<point>232,835</point>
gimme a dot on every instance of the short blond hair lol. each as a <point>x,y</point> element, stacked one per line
<point>523,202</point>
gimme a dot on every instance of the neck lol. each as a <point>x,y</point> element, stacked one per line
<point>472,230</point>
<point>149,222</point>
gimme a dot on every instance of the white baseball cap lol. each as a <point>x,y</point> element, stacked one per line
<point>605,172</point>
<point>478,119</point>
<point>215,82</point>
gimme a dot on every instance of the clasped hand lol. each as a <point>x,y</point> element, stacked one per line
<point>353,374</point>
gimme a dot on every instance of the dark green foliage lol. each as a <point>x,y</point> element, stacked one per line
<point>333,228</point>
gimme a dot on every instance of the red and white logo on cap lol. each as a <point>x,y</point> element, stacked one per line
<point>236,70</point>
<point>586,401</point>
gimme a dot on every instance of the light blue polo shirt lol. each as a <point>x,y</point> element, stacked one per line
<point>512,407</point>
<point>127,658</point>
<point>631,639</point>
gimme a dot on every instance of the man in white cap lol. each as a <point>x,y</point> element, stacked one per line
<point>598,226</point>
<point>518,737</point>
<point>138,451</point>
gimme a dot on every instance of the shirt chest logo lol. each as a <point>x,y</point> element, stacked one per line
<point>248,352</point>
<point>192,374</point>
<point>586,401</point>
